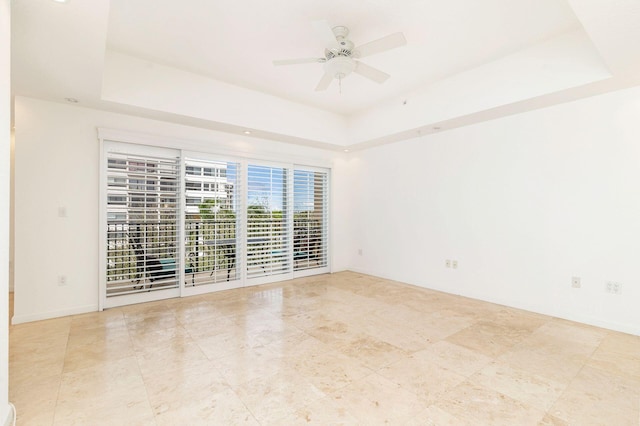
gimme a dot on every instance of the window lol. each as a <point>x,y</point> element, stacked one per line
<point>115,163</point>
<point>117,181</point>
<point>117,200</point>
<point>168,184</point>
<point>193,186</point>
<point>193,171</point>
<point>116,217</point>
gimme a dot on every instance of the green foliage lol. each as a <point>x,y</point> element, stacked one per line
<point>257,211</point>
<point>216,222</point>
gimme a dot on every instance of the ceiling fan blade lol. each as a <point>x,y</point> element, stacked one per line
<point>381,45</point>
<point>325,81</point>
<point>298,61</point>
<point>324,31</point>
<point>371,73</point>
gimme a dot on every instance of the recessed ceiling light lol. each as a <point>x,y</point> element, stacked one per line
<point>71,100</point>
<point>61,1</point>
<point>346,150</point>
<point>247,132</point>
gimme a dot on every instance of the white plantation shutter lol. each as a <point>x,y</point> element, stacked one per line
<point>212,216</point>
<point>142,223</point>
<point>177,223</point>
<point>268,221</point>
<point>310,219</point>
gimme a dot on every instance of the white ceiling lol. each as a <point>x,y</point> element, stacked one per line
<point>59,50</point>
<point>235,41</point>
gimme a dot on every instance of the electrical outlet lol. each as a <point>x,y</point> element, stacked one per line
<point>454,264</point>
<point>62,280</point>
<point>359,252</point>
<point>575,282</point>
<point>617,288</point>
<point>447,263</point>
<point>613,287</point>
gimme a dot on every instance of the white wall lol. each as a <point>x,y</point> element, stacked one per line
<point>523,203</point>
<point>5,114</point>
<point>132,81</point>
<point>563,62</point>
<point>56,162</point>
<point>11,215</point>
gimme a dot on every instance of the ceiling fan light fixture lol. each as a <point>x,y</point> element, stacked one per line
<point>340,66</point>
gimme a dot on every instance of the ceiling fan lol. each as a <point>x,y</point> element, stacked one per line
<point>341,55</point>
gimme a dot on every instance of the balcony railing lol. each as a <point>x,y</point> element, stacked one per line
<point>148,251</point>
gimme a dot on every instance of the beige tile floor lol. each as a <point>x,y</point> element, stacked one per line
<point>331,349</point>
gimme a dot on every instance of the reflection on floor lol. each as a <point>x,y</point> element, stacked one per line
<point>331,349</point>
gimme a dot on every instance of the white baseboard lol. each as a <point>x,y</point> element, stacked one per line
<point>570,316</point>
<point>8,420</point>
<point>19,319</point>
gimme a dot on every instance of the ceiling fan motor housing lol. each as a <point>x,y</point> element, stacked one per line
<point>343,46</point>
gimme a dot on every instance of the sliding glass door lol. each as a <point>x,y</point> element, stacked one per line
<point>180,223</point>
<point>310,221</point>
<point>142,224</point>
<point>269,241</point>
<point>212,218</point>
